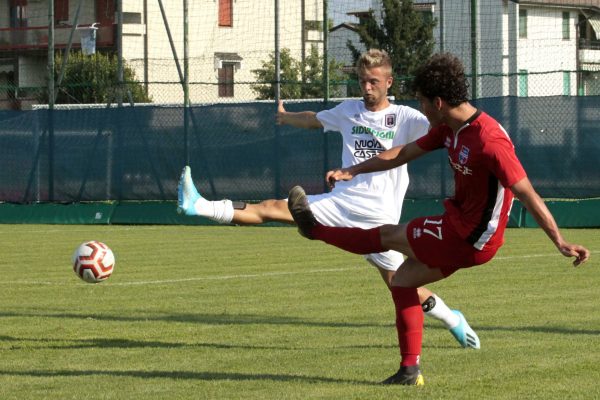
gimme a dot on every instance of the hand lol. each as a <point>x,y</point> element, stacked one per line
<point>339,174</point>
<point>580,253</point>
<point>279,117</point>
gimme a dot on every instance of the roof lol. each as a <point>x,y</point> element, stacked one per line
<point>359,13</point>
<point>586,4</point>
<point>228,56</point>
<point>345,25</point>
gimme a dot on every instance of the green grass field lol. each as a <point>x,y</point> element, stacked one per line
<point>261,313</point>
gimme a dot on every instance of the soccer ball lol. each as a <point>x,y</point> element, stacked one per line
<point>93,261</point>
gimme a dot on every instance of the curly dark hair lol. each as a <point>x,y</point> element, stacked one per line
<point>442,75</point>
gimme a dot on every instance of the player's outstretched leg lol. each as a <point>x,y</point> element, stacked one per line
<point>190,202</point>
<point>406,376</point>
<point>187,195</point>
<point>465,335</point>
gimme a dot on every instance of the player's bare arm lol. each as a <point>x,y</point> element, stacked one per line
<point>302,119</point>
<point>389,159</point>
<point>525,192</point>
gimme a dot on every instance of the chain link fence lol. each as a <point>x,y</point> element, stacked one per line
<point>236,151</point>
<point>534,68</point>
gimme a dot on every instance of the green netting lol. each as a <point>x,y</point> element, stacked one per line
<point>236,151</point>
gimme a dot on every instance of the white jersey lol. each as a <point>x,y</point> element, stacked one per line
<point>365,134</point>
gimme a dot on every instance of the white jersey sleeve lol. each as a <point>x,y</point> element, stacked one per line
<point>332,119</point>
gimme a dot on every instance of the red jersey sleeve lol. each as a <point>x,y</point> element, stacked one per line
<point>434,139</point>
<point>503,161</point>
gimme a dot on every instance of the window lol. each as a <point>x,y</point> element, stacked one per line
<point>566,83</point>
<point>18,14</point>
<point>132,18</point>
<point>105,12</point>
<point>61,10</point>
<point>522,24</point>
<point>523,92</point>
<point>225,12</point>
<point>313,25</point>
<point>566,25</point>
<point>226,80</point>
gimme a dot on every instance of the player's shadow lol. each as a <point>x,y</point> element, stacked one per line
<point>540,329</point>
<point>251,319</point>
<point>205,319</point>
<point>117,343</point>
<point>17,343</point>
<point>191,375</point>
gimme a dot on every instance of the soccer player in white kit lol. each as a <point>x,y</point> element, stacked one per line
<point>368,127</point>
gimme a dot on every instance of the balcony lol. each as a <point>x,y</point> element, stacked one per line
<point>35,38</point>
<point>588,44</point>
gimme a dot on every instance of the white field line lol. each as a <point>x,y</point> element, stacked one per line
<point>200,278</point>
<point>244,276</point>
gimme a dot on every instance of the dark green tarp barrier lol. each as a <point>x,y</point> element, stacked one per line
<point>568,214</point>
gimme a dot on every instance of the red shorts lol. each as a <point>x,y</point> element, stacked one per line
<point>436,244</point>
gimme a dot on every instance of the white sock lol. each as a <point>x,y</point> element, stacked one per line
<point>444,314</point>
<point>219,211</point>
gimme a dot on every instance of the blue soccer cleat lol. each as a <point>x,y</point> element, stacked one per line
<point>464,334</point>
<point>187,195</point>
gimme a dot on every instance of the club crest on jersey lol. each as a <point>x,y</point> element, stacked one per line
<point>447,142</point>
<point>390,120</point>
<point>463,156</point>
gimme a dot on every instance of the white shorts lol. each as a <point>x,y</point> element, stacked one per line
<point>332,211</point>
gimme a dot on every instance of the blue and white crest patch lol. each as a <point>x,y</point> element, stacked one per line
<point>463,156</point>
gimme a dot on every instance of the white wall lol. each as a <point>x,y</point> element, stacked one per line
<point>32,71</point>
<point>544,49</point>
<point>501,52</point>
<point>251,36</point>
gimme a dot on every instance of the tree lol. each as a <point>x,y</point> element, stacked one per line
<point>405,33</point>
<point>292,86</point>
<point>93,79</point>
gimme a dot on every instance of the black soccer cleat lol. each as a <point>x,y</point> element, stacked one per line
<point>406,376</point>
<point>300,210</point>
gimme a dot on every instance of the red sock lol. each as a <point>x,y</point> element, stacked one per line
<point>354,240</point>
<point>409,323</point>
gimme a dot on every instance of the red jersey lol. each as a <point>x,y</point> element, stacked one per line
<point>485,166</point>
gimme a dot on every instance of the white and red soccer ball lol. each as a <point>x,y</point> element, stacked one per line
<point>93,261</point>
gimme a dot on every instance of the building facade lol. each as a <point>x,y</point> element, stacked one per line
<point>227,40</point>
<point>509,48</point>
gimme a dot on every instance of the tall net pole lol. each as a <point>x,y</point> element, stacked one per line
<point>474,54</point>
<point>50,100</point>
<point>120,52</point>
<point>186,82</point>
<point>325,86</point>
<point>277,177</point>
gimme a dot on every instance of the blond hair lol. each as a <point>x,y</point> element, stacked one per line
<point>374,58</point>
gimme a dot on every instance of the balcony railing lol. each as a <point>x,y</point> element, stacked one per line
<point>37,37</point>
<point>589,44</point>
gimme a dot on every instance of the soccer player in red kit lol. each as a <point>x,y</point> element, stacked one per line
<point>487,175</point>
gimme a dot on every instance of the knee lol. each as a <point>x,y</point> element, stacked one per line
<point>390,233</point>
